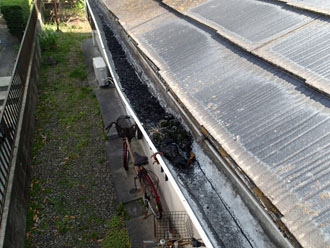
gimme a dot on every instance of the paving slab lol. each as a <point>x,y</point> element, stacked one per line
<point>8,49</point>
<point>139,227</point>
<point>4,81</point>
<point>3,95</point>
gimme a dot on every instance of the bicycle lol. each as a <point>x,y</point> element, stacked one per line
<point>147,180</point>
<point>177,243</point>
<point>127,130</point>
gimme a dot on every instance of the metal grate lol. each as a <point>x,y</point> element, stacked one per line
<point>173,225</point>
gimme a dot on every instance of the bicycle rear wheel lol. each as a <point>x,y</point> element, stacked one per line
<point>125,155</point>
<point>151,197</point>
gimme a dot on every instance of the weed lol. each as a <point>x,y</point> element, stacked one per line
<point>142,203</point>
<point>80,72</point>
<point>122,211</point>
<point>117,235</point>
<point>58,204</point>
<point>82,197</point>
<point>43,225</point>
<point>29,219</point>
<point>16,47</point>
<point>61,225</point>
<point>79,5</point>
<point>94,219</point>
<point>84,91</point>
<point>93,235</point>
<point>67,182</point>
<point>83,142</point>
<point>48,39</point>
<point>92,183</point>
<point>101,160</point>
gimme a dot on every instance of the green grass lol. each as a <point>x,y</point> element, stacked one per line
<point>117,235</point>
<point>122,211</point>
<point>65,107</point>
<point>79,72</point>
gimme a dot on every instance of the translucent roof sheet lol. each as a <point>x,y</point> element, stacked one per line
<point>305,51</point>
<point>259,26</point>
<point>322,6</point>
<point>254,21</point>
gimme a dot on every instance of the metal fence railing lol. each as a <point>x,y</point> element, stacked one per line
<point>9,117</point>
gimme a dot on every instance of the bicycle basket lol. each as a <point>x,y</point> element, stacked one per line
<point>173,225</point>
<point>125,127</point>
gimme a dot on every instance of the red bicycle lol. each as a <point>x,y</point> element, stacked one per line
<point>149,182</point>
<point>127,130</point>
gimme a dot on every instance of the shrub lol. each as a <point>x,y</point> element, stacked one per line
<point>48,39</point>
<point>16,14</point>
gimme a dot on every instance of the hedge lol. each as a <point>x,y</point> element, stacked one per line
<point>16,14</point>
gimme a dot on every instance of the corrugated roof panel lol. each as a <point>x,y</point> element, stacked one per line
<point>322,6</point>
<point>253,21</point>
<point>308,49</point>
<point>295,40</point>
<point>270,116</point>
<point>315,3</point>
<point>134,12</point>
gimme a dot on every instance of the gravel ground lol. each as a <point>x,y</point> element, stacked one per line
<point>72,196</point>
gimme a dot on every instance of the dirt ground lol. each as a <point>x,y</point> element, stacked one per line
<point>72,198</point>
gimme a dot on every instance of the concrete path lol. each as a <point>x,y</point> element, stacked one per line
<point>139,227</point>
<point>8,53</point>
<point>8,49</point>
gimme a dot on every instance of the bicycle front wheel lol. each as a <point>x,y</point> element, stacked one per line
<point>151,197</point>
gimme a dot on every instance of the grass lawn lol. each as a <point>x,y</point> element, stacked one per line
<point>72,200</point>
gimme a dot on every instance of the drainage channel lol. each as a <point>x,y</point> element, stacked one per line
<point>218,214</point>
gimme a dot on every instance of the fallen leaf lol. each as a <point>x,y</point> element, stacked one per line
<point>44,138</point>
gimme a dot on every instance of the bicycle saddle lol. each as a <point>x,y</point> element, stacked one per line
<point>140,160</point>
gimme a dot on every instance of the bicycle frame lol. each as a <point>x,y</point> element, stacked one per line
<point>146,184</point>
<point>126,140</point>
